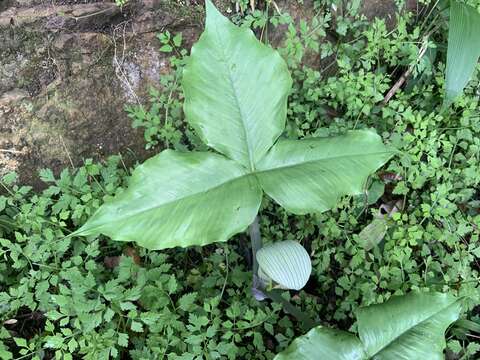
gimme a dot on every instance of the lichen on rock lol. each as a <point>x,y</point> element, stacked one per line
<point>66,73</point>
<point>67,69</point>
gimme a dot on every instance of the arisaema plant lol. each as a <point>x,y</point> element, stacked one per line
<point>236,91</point>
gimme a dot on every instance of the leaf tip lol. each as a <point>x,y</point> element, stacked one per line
<point>211,11</point>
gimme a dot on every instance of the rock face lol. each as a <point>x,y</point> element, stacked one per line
<point>386,9</point>
<point>68,67</point>
<point>66,72</point>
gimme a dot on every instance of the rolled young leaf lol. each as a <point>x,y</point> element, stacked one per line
<point>236,90</point>
<point>285,262</point>
<point>310,175</point>
<point>180,199</point>
<point>463,48</point>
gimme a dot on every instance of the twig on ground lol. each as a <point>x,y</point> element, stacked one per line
<point>119,70</point>
<point>68,152</point>
<point>11,151</point>
<point>405,75</point>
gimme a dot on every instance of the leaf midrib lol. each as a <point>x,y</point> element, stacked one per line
<point>156,206</point>
<point>251,173</point>
<point>321,159</point>
<point>234,89</point>
<point>410,328</point>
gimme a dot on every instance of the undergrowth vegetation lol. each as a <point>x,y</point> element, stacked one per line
<point>70,298</point>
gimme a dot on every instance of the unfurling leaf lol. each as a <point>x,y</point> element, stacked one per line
<point>408,327</point>
<point>287,263</point>
<point>324,343</point>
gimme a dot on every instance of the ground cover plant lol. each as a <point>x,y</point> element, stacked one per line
<point>71,297</point>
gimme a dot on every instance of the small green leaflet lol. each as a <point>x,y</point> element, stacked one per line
<point>122,339</point>
<point>236,91</point>
<point>403,328</point>
<point>373,233</point>
<point>463,48</point>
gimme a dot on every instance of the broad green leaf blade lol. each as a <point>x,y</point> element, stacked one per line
<point>408,327</point>
<point>310,175</point>
<point>236,90</point>
<point>180,199</point>
<point>285,262</point>
<point>463,48</point>
<point>324,344</point>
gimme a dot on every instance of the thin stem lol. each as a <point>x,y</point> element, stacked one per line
<point>225,250</point>
<point>275,295</point>
<point>256,241</point>
<point>304,319</point>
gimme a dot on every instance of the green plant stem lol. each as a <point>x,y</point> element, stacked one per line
<point>256,241</point>
<point>304,319</point>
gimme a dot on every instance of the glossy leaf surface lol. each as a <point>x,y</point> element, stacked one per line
<point>285,262</point>
<point>310,175</point>
<point>463,48</point>
<point>408,327</point>
<point>235,97</point>
<point>236,90</point>
<point>403,328</point>
<point>324,343</point>
<point>180,199</point>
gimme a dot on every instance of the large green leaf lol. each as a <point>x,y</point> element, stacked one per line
<point>236,90</point>
<point>408,327</point>
<point>310,175</point>
<point>403,328</point>
<point>180,199</point>
<point>322,343</point>
<point>463,48</point>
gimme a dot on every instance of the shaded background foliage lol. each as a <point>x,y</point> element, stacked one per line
<point>99,298</point>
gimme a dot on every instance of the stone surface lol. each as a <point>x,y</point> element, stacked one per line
<point>68,67</point>
<point>66,73</point>
<point>386,9</point>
